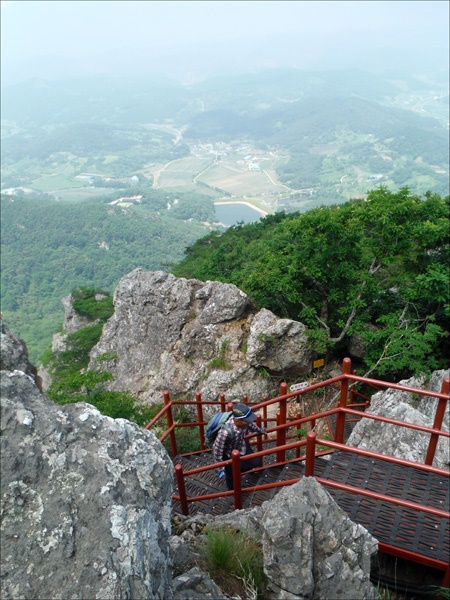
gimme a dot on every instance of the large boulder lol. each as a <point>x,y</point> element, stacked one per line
<point>280,345</point>
<point>187,336</point>
<point>86,501</point>
<point>403,442</point>
<point>312,549</point>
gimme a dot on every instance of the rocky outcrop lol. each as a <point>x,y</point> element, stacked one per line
<point>86,500</point>
<point>188,336</point>
<point>399,441</point>
<point>312,549</point>
<point>72,323</point>
<point>14,353</point>
<point>86,508</point>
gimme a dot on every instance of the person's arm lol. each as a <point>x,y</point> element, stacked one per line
<point>253,428</point>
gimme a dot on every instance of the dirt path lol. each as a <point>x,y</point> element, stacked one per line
<point>275,183</point>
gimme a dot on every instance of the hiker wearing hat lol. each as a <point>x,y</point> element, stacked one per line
<point>232,437</point>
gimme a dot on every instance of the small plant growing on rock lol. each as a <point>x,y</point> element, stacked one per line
<point>235,561</point>
<point>264,337</point>
<point>219,361</point>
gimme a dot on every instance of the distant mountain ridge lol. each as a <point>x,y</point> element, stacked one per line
<point>139,100</point>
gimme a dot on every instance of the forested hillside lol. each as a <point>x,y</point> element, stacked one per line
<point>48,248</point>
<point>376,269</point>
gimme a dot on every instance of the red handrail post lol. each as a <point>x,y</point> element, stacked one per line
<point>340,417</point>
<point>277,422</point>
<point>265,412</point>
<point>173,440</point>
<point>352,391</point>
<point>281,438</point>
<point>181,489</point>
<point>310,453</point>
<point>201,427</point>
<point>245,399</point>
<point>259,437</point>
<point>223,406</point>
<point>298,416</point>
<point>237,485</point>
<point>438,419</point>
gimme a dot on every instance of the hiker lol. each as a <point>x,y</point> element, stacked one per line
<point>240,423</point>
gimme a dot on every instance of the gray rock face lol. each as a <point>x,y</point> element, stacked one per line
<point>398,441</point>
<point>13,353</point>
<point>196,585</point>
<point>86,501</point>
<point>278,344</point>
<point>72,323</point>
<point>188,336</point>
<point>312,549</point>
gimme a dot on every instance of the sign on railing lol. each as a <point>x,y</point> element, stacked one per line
<point>298,386</point>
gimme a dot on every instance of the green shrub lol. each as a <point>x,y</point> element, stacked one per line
<point>188,440</point>
<point>85,304</point>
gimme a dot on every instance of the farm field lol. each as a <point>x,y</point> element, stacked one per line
<point>181,172</point>
<point>239,182</point>
<point>227,175</point>
<point>55,182</point>
<point>78,194</point>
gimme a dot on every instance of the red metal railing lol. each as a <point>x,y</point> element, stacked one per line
<point>281,435</point>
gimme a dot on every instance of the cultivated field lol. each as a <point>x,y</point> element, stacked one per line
<point>55,182</point>
<point>240,182</point>
<point>231,174</point>
<point>181,172</point>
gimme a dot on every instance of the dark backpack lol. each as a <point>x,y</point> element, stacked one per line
<point>215,424</point>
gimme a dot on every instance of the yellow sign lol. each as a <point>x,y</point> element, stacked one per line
<point>318,363</point>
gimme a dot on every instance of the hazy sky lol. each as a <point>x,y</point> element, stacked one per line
<point>31,30</point>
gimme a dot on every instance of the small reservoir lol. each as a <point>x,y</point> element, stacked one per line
<point>236,212</point>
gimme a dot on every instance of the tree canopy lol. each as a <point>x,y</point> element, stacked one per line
<point>377,269</point>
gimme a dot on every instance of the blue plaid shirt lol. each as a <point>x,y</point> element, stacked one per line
<point>223,445</point>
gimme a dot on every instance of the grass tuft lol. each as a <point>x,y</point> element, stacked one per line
<point>235,561</point>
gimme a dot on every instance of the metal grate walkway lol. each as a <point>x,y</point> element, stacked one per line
<point>396,526</point>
